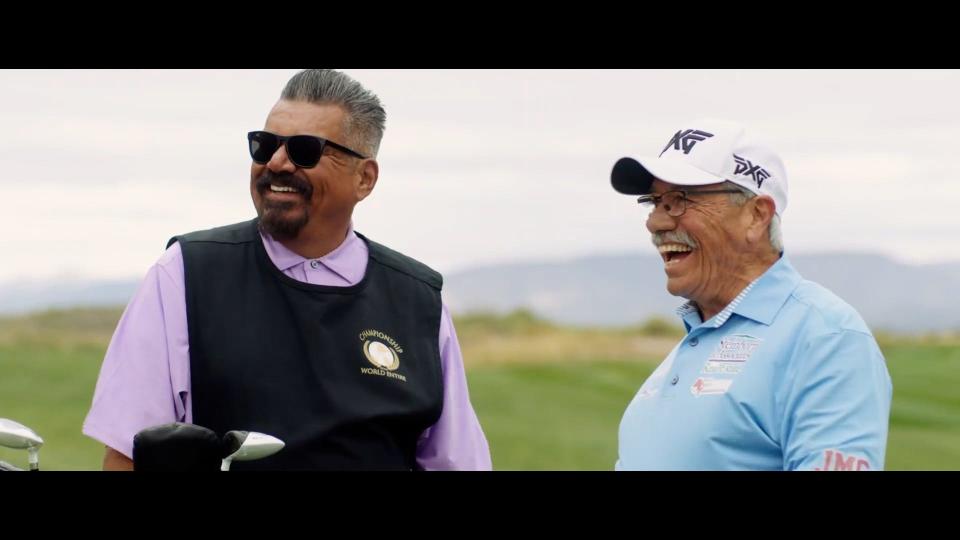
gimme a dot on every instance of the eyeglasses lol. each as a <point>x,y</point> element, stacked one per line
<point>675,202</point>
<point>304,150</point>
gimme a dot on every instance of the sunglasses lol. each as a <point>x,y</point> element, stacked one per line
<point>304,151</point>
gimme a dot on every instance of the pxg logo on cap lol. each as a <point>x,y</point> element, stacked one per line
<point>704,152</point>
<point>746,168</point>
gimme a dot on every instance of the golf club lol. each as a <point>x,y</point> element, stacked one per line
<point>248,446</point>
<point>16,435</point>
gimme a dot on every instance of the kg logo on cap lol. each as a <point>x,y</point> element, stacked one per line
<point>687,138</point>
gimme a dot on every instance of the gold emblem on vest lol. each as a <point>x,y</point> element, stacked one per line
<point>383,352</point>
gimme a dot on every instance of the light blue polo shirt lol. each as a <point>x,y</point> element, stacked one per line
<point>786,377</point>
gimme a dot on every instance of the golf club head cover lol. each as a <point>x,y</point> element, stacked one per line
<point>177,447</point>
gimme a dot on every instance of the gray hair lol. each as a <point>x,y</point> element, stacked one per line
<point>365,116</point>
<point>741,198</point>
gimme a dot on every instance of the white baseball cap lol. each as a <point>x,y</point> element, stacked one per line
<point>707,151</point>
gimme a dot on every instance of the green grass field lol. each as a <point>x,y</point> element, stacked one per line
<point>548,397</point>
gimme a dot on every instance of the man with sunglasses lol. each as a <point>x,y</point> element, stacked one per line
<point>293,324</point>
<point>775,372</point>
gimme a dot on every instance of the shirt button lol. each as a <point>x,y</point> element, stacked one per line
<point>675,380</point>
<point>694,342</point>
<point>314,264</point>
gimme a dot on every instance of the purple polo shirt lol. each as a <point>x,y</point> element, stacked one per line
<point>145,376</point>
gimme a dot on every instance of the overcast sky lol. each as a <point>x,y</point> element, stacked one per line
<point>100,168</point>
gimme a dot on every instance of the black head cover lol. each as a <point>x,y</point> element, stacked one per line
<point>177,447</point>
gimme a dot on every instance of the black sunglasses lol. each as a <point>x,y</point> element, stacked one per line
<point>304,151</point>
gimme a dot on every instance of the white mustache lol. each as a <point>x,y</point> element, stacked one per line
<point>673,237</point>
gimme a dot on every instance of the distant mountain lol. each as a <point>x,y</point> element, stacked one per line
<point>624,289</point>
<point>23,297</point>
<point>613,290</point>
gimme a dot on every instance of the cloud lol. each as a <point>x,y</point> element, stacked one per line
<point>101,167</point>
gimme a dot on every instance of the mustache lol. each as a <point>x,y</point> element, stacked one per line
<point>284,180</point>
<point>673,237</point>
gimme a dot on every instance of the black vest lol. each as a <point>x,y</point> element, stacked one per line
<point>347,377</point>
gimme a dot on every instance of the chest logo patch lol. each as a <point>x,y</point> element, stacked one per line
<point>705,386</point>
<point>383,352</point>
<point>731,354</point>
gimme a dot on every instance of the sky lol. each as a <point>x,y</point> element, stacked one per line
<point>477,167</point>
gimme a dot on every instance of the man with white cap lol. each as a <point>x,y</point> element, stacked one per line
<point>775,372</point>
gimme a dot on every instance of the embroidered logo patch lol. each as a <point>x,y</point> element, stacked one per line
<point>835,460</point>
<point>383,352</point>
<point>731,354</point>
<point>705,386</point>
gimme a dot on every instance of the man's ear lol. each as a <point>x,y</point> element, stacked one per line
<point>760,211</point>
<point>369,172</point>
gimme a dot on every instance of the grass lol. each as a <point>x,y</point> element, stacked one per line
<point>548,397</point>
